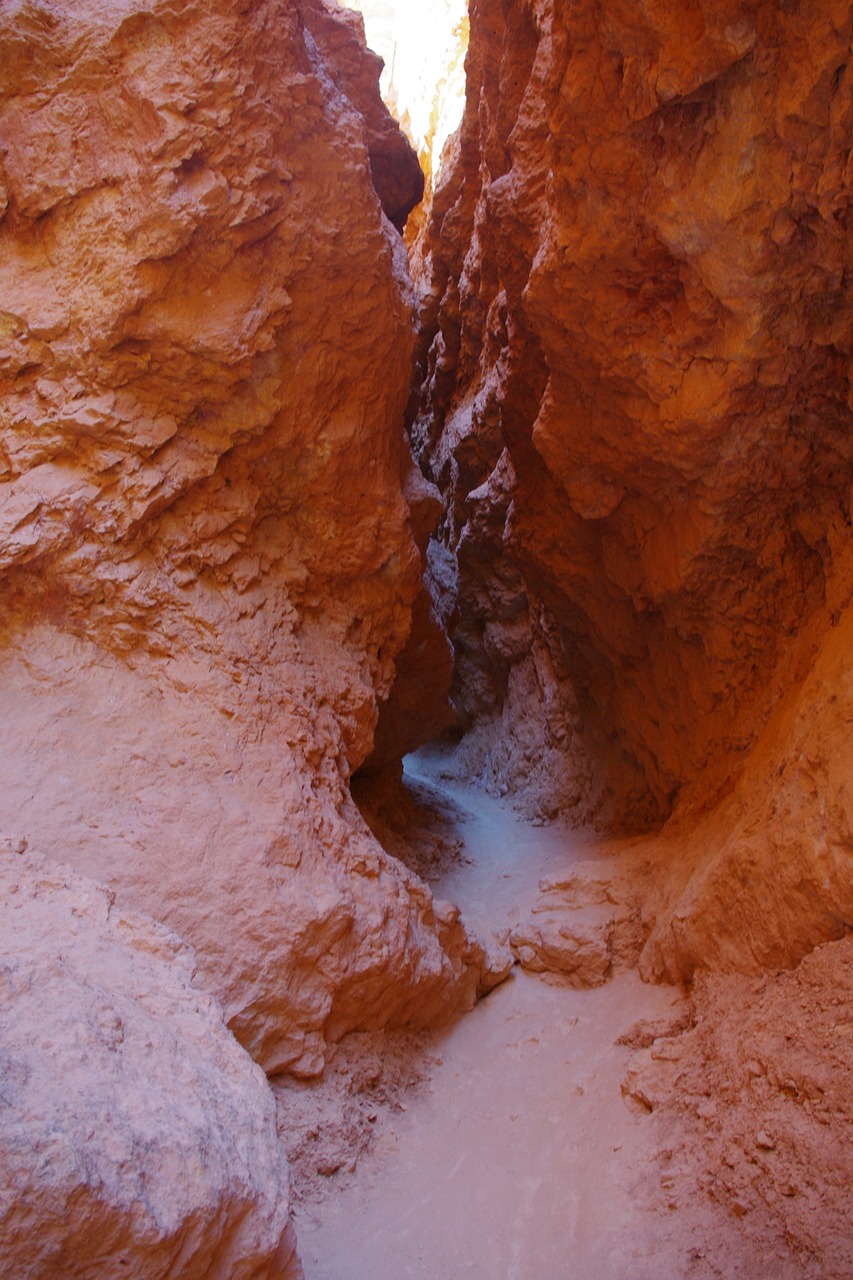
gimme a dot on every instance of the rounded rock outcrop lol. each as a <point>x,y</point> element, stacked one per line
<point>137,1139</point>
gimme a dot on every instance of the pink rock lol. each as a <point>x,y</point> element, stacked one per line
<point>208,565</point>
<point>137,1139</point>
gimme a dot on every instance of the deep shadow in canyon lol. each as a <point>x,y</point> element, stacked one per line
<point>283,497</point>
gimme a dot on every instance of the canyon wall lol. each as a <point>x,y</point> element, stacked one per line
<point>636,402</point>
<point>208,564</point>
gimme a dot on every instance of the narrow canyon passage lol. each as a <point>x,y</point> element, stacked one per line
<point>316,446</point>
<point>520,1159</point>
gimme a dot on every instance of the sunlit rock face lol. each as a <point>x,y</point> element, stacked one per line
<point>636,403</point>
<point>394,167</point>
<point>208,565</point>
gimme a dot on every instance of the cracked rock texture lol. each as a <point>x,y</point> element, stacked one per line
<point>137,1139</point>
<point>208,564</point>
<point>636,403</point>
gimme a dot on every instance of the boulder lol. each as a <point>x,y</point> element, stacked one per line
<point>137,1139</point>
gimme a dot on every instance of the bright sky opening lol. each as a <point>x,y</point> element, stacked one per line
<point>423,43</point>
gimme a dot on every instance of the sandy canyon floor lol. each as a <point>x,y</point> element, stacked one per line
<point>502,1148</point>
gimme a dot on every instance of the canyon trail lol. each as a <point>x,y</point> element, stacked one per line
<point>521,1159</point>
<point>622,1131</point>
<point>284,495</point>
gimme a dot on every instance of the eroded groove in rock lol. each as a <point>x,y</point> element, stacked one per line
<point>208,562</point>
<point>636,405</point>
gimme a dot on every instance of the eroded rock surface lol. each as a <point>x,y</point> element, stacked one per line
<point>208,568</point>
<point>757,882</point>
<point>636,403</point>
<point>751,1106</point>
<point>583,926</point>
<point>137,1139</point>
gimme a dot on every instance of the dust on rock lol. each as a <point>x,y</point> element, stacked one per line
<point>328,1125</point>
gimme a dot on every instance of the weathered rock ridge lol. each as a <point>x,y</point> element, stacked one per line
<point>208,564</point>
<point>636,401</point>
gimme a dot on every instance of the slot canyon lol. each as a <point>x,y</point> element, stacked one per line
<point>426,709</point>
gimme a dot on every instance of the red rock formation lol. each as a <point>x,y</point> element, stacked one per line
<point>756,882</point>
<point>751,1105</point>
<point>208,569</point>
<point>417,708</point>
<point>136,1137</point>
<point>394,169</point>
<point>637,405</point>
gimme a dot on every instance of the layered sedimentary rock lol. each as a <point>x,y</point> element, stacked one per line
<point>584,926</point>
<point>208,567</point>
<point>137,1138</point>
<point>636,403</point>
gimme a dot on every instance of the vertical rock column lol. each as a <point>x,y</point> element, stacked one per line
<point>207,563</point>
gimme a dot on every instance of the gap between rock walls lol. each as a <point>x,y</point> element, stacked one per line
<point>645,642</point>
<point>315,738</point>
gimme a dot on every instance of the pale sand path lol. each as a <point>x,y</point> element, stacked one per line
<point>522,1159</point>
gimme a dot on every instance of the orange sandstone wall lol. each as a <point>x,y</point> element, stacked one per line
<point>208,568</point>
<point>636,402</point>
